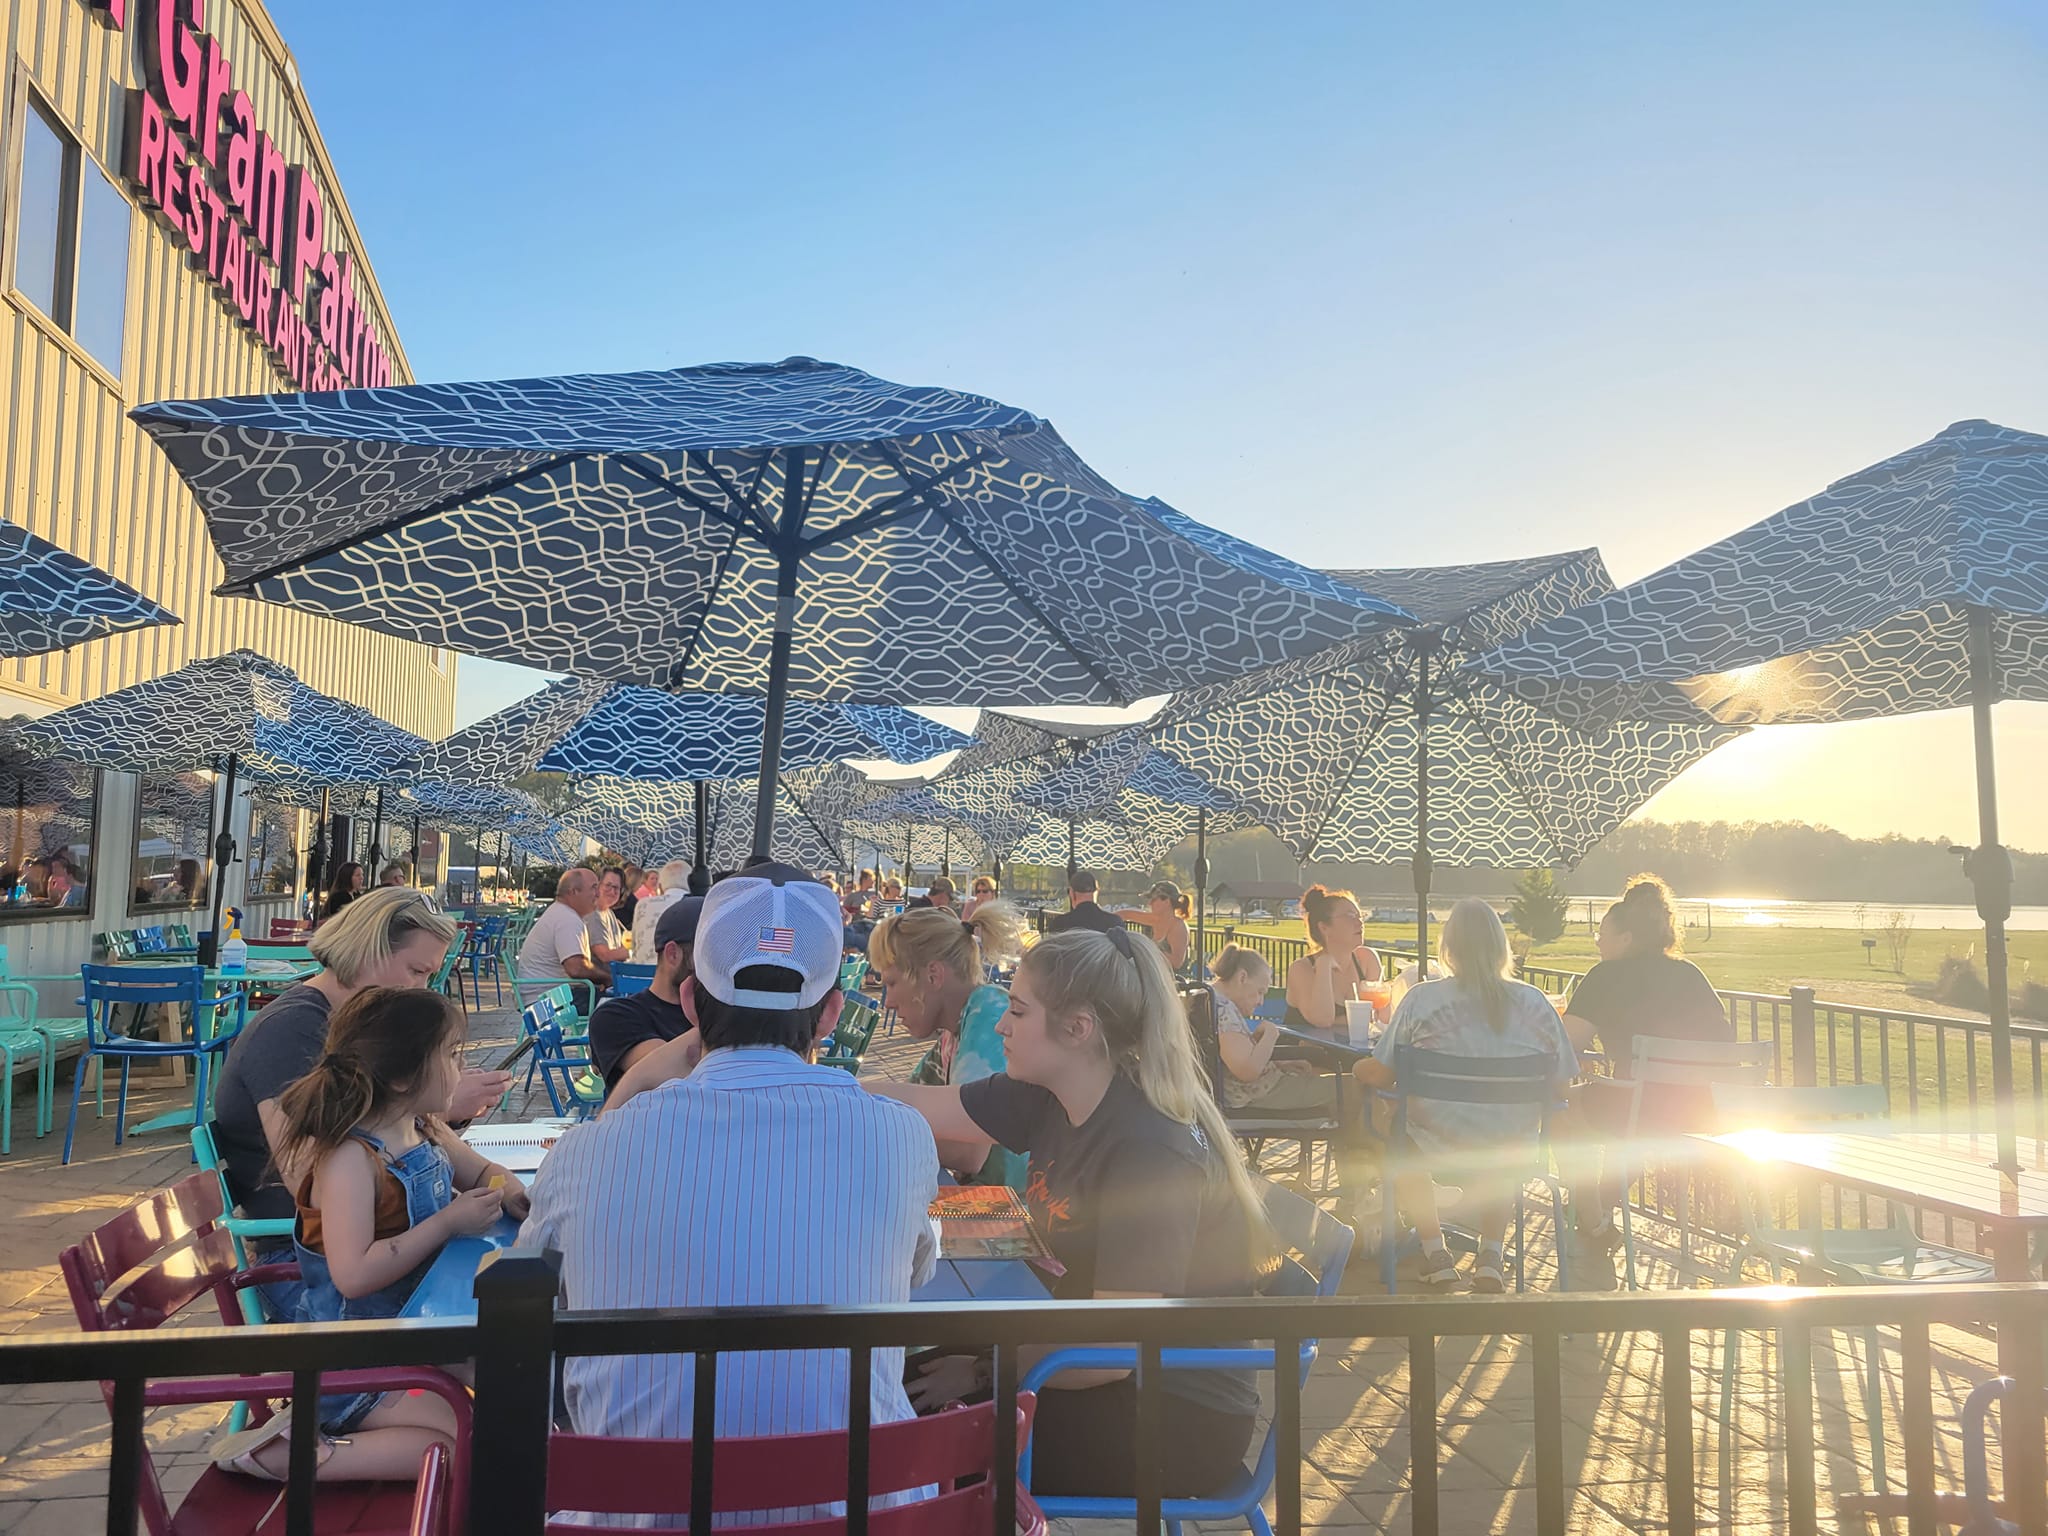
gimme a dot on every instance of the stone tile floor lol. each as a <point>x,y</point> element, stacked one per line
<point>1355,1472</point>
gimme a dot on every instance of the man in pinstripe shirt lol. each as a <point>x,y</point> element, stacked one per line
<point>760,1179</point>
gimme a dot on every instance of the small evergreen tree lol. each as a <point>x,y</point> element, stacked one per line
<point>1539,908</point>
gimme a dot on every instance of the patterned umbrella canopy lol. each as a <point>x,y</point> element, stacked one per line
<point>51,599</point>
<point>798,529</point>
<point>1386,751</point>
<point>624,731</point>
<point>1919,583</point>
<point>651,821</point>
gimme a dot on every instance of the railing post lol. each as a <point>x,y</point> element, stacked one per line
<point>1805,1042</point>
<point>515,1308</point>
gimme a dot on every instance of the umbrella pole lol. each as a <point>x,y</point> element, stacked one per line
<point>1201,888</point>
<point>1990,869</point>
<point>20,815</point>
<point>377,838</point>
<point>416,850</point>
<point>1421,861</point>
<point>700,871</point>
<point>946,856</point>
<point>316,857</point>
<point>906,860</point>
<point>223,856</point>
<point>1073,863</point>
<point>778,667</point>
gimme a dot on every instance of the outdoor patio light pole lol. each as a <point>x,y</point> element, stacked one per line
<point>1989,867</point>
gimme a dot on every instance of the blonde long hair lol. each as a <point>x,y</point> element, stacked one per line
<point>1133,998</point>
<point>1475,947</point>
<point>924,936</point>
<point>373,926</point>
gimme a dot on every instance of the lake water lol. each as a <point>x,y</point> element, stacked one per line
<point>1770,912</point>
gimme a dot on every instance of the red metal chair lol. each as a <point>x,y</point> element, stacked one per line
<point>158,1258</point>
<point>596,1474</point>
<point>291,929</point>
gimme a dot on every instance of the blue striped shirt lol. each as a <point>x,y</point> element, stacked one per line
<point>760,1180</point>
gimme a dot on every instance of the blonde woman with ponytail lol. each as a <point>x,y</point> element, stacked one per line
<point>932,965</point>
<point>1478,1010</point>
<point>381,1185</point>
<point>1136,1183</point>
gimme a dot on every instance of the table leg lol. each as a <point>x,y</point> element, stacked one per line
<point>2010,1260</point>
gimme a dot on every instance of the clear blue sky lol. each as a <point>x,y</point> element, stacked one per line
<point>1371,284</point>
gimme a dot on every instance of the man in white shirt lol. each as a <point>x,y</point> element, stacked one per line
<point>673,880</point>
<point>717,1189</point>
<point>558,947</point>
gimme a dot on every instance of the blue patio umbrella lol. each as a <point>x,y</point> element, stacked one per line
<point>1343,755</point>
<point>651,820</point>
<point>1919,583</point>
<point>241,714</point>
<point>50,599</point>
<point>1126,777</point>
<point>799,529</point>
<point>621,730</point>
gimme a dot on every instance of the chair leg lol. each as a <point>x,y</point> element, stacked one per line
<point>1731,1347</point>
<point>1564,1242</point>
<point>77,1087</point>
<point>7,1101</point>
<point>1259,1526</point>
<point>1521,1243</point>
<point>1873,1405</point>
<point>121,1106</point>
<point>46,1086</point>
<point>1628,1240</point>
<point>99,1086</point>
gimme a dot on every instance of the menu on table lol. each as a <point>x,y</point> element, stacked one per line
<point>518,1148</point>
<point>986,1221</point>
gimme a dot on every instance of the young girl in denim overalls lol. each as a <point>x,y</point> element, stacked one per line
<point>382,1185</point>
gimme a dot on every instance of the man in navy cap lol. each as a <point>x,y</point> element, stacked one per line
<point>625,1029</point>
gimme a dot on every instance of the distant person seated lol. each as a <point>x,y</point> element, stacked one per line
<point>396,874</point>
<point>1641,986</point>
<point>671,884</point>
<point>610,940</point>
<point>625,1029</point>
<point>1166,914</point>
<point>1252,1079</point>
<point>714,1189</point>
<point>1478,1010</point>
<point>65,888</point>
<point>932,967</point>
<point>939,895</point>
<point>1083,910</point>
<point>983,889</point>
<point>859,902</point>
<point>348,885</point>
<point>557,948</point>
<point>1337,963</point>
<point>892,893</point>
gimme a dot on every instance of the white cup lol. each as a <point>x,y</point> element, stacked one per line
<point>1359,1017</point>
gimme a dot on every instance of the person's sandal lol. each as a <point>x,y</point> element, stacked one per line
<point>1439,1267</point>
<point>1489,1274</point>
<point>238,1452</point>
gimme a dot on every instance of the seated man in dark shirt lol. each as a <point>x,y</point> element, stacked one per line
<point>1083,911</point>
<point>626,1028</point>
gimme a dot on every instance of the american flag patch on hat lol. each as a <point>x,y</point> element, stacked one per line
<point>777,941</point>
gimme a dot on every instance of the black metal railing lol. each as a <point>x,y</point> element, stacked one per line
<point>518,1341</point>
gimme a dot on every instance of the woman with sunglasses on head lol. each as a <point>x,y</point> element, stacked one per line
<point>1137,1186</point>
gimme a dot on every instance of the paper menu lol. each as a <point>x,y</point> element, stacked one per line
<point>986,1221</point>
<point>520,1147</point>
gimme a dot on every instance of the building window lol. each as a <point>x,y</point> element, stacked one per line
<point>273,849</point>
<point>71,239</point>
<point>173,826</point>
<point>48,813</point>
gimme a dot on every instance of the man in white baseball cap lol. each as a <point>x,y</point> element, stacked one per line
<point>704,1185</point>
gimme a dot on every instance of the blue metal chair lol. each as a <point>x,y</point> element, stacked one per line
<point>111,987</point>
<point>1315,1248</point>
<point>628,979</point>
<point>485,954</point>
<point>567,1061</point>
<point>1497,1080</point>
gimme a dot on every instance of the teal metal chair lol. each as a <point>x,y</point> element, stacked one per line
<point>850,1039</point>
<point>1315,1248</point>
<point>59,1036</point>
<point>20,1040</point>
<point>1889,1255</point>
<point>238,1227</point>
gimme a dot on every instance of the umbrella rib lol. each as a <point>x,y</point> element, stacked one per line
<point>897,506</point>
<point>710,602</point>
<point>683,493</point>
<point>1037,611</point>
<point>447,503</point>
<point>1460,695</point>
<point>1330,807</point>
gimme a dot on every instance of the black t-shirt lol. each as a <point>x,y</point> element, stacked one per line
<point>336,900</point>
<point>621,1023</point>
<point>1089,914</point>
<point>1129,1201</point>
<point>1649,994</point>
<point>279,1046</point>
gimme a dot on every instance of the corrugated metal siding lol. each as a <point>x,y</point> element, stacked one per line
<point>73,469</point>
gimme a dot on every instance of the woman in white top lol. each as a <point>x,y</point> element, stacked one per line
<point>1478,1010</point>
<point>672,881</point>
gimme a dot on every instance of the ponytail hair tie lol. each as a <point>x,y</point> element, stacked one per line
<point>967,928</point>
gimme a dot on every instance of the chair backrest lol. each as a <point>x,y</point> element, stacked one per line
<point>288,929</point>
<point>1315,1247</point>
<point>628,979</point>
<point>108,987</point>
<point>857,1021</point>
<point>1421,1074</point>
<point>1199,1004</point>
<point>619,1476</point>
<point>179,935</point>
<point>1745,1106</point>
<point>119,944</point>
<point>1700,1063</point>
<point>143,1268</point>
<point>151,941</point>
<point>279,949</point>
